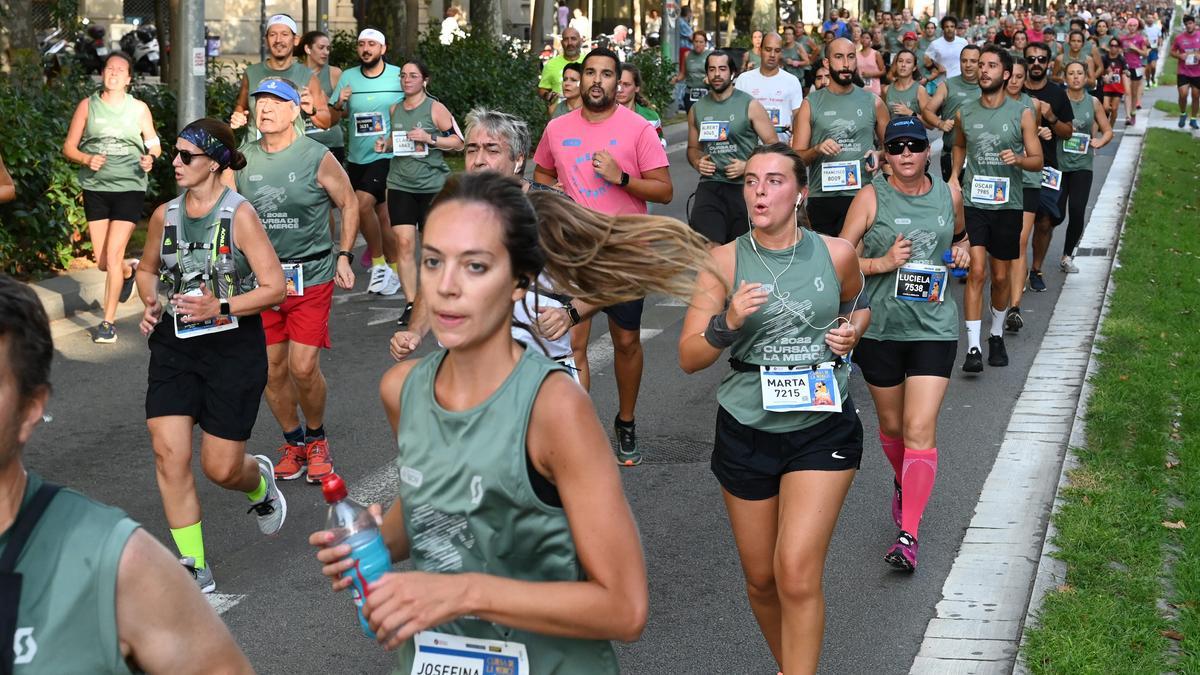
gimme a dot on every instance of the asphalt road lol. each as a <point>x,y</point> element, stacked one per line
<point>286,619</point>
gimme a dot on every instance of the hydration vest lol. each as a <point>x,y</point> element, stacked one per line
<point>176,276</point>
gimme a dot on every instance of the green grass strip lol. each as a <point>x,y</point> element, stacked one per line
<point>1167,65</point>
<point>1110,529</point>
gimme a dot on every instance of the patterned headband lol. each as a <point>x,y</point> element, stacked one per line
<point>208,143</point>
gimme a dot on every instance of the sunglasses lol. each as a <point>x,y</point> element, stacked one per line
<point>914,145</point>
<point>187,157</point>
<point>1039,59</point>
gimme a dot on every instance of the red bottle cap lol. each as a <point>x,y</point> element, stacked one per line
<point>334,488</point>
<point>224,250</point>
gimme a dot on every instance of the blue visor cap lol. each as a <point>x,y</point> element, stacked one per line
<point>905,127</point>
<point>278,88</point>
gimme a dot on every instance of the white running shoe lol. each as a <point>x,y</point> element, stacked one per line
<point>391,284</point>
<point>379,275</point>
<point>272,510</point>
<point>203,577</point>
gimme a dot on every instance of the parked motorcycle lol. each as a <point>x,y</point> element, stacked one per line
<point>141,45</point>
<point>90,50</point>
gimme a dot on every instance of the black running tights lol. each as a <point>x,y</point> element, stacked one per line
<point>1077,185</point>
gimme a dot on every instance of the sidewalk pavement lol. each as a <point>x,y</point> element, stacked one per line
<point>76,293</point>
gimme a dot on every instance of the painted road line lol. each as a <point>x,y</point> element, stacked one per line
<point>222,602</point>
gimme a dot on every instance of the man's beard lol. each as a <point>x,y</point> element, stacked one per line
<point>1035,75</point>
<point>372,63</point>
<point>994,87</point>
<point>724,86</point>
<point>843,78</point>
<point>606,101</point>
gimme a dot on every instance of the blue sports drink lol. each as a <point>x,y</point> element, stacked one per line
<point>958,272</point>
<point>353,524</point>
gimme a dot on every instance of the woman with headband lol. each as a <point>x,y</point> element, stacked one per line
<point>788,440</point>
<point>207,271</point>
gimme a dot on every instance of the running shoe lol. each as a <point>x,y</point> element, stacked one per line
<point>1133,119</point>
<point>127,285</point>
<point>997,354</point>
<point>1194,124</point>
<point>1128,121</point>
<point>106,333</point>
<point>627,447</point>
<point>203,577</point>
<point>320,465</point>
<point>1036,282</point>
<point>405,318</point>
<point>272,510</point>
<point>1182,120</point>
<point>974,361</point>
<point>897,502</point>
<point>292,459</point>
<point>391,283</point>
<point>1013,323</point>
<point>1067,265</point>
<point>903,554</point>
<point>379,274</point>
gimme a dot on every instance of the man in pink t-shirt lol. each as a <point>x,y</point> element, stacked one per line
<point>1186,48</point>
<point>608,158</point>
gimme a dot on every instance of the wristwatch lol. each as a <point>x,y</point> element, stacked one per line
<point>347,255</point>
<point>573,313</point>
<point>624,179</point>
<point>225,308</point>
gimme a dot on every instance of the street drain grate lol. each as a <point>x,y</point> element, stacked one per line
<point>672,450</point>
<point>1092,253</point>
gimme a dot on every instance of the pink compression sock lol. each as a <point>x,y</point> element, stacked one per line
<point>920,470</point>
<point>893,449</point>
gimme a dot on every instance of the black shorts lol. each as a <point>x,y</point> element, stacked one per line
<point>1133,76</point>
<point>997,231</point>
<point>370,178</point>
<point>1031,197</point>
<point>719,211</point>
<point>627,315</point>
<point>749,463</point>
<point>1182,81</point>
<point>409,208</point>
<point>885,363</point>
<point>827,214</point>
<point>217,380</point>
<point>113,205</point>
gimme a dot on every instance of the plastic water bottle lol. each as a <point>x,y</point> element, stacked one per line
<point>353,524</point>
<point>225,273</point>
<point>958,272</point>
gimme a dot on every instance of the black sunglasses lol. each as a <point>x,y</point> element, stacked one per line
<point>187,157</point>
<point>1039,59</point>
<point>915,145</point>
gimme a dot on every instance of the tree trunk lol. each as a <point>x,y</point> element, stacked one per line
<point>17,39</point>
<point>486,17</point>
<point>303,16</point>
<point>163,9</point>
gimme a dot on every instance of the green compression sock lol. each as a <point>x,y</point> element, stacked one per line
<point>257,494</point>
<point>378,260</point>
<point>190,542</point>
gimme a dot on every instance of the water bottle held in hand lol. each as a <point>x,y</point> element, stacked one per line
<point>353,524</point>
<point>958,272</point>
<point>225,273</point>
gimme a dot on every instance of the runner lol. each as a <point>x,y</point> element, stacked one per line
<point>945,55</point>
<point>1056,115</point>
<point>821,78</point>
<point>904,224</point>
<point>629,94</point>
<point>1136,48</point>
<point>870,64</point>
<point>550,86</point>
<point>86,589</point>
<point>418,168</point>
<point>779,92</point>
<point>1078,50</point>
<point>112,139</point>
<point>1076,160</point>
<point>1113,81</point>
<point>314,50</point>
<point>793,57</point>
<point>293,181</point>
<point>627,168</point>
<point>784,467</point>
<point>364,95</point>
<point>1154,36</point>
<point>903,96</point>
<point>208,354</point>
<point>281,41</point>
<point>1185,47</point>
<point>837,132</point>
<point>810,50</point>
<point>724,127</point>
<point>996,138</point>
<point>546,559</point>
<point>754,54</point>
<point>941,111</point>
<point>572,98</point>
<point>692,71</point>
<point>1031,190</point>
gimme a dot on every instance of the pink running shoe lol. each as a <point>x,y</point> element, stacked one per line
<point>903,554</point>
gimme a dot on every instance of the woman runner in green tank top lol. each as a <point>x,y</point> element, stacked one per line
<point>509,503</point>
<point>112,139</point>
<point>1075,157</point>
<point>905,224</point>
<point>1031,188</point>
<point>314,51</point>
<point>788,440</point>
<point>903,96</point>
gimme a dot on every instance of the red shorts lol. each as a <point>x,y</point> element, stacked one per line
<point>301,318</point>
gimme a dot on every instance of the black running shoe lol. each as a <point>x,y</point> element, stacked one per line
<point>1013,323</point>
<point>127,285</point>
<point>627,447</point>
<point>406,317</point>
<point>974,361</point>
<point>1036,282</point>
<point>997,354</point>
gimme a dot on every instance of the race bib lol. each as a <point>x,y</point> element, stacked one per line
<point>293,278</point>
<point>841,175</point>
<point>1051,178</point>
<point>442,654</point>
<point>1114,78</point>
<point>1077,144</point>
<point>697,93</point>
<point>368,124</point>
<point>1140,72</point>
<point>921,283</point>
<point>1061,37</point>
<point>776,116</point>
<point>800,389</point>
<point>1191,60</point>
<point>189,329</point>
<point>989,190</point>
<point>403,146</point>
<point>714,131</point>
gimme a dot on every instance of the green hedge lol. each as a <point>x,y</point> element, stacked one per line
<point>657,85</point>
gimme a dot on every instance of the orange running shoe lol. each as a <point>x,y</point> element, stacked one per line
<point>319,463</point>
<point>291,461</point>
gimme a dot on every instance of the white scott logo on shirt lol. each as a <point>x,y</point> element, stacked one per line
<point>819,283</point>
<point>476,490</point>
<point>24,646</point>
<point>411,476</point>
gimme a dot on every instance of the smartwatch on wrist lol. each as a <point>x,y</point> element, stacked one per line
<point>573,313</point>
<point>225,308</point>
<point>624,179</point>
<point>347,255</point>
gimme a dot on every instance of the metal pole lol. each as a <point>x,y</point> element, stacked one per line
<point>262,30</point>
<point>323,15</point>
<point>668,32</point>
<point>188,36</point>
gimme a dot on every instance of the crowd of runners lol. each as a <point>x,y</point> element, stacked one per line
<point>823,238</point>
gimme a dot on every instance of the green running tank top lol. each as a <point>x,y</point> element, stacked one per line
<point>990,131</point>
<point>116,132</point>
<point>906,97</point>
<point>1085,116</point>
<point>958,92</point>
<point>297,73</point>
<point>335,136</point>
<point>725,131</point>
<point>67,617</point>
<point>776,334</point>
<point>927,221</point>
<point>293,207</point>
<point>417,174</point>
<point>792,54</point>
<point>469,507</point>
<point>205,229</point>
<point>848,119</point>
<point>694,69</point>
